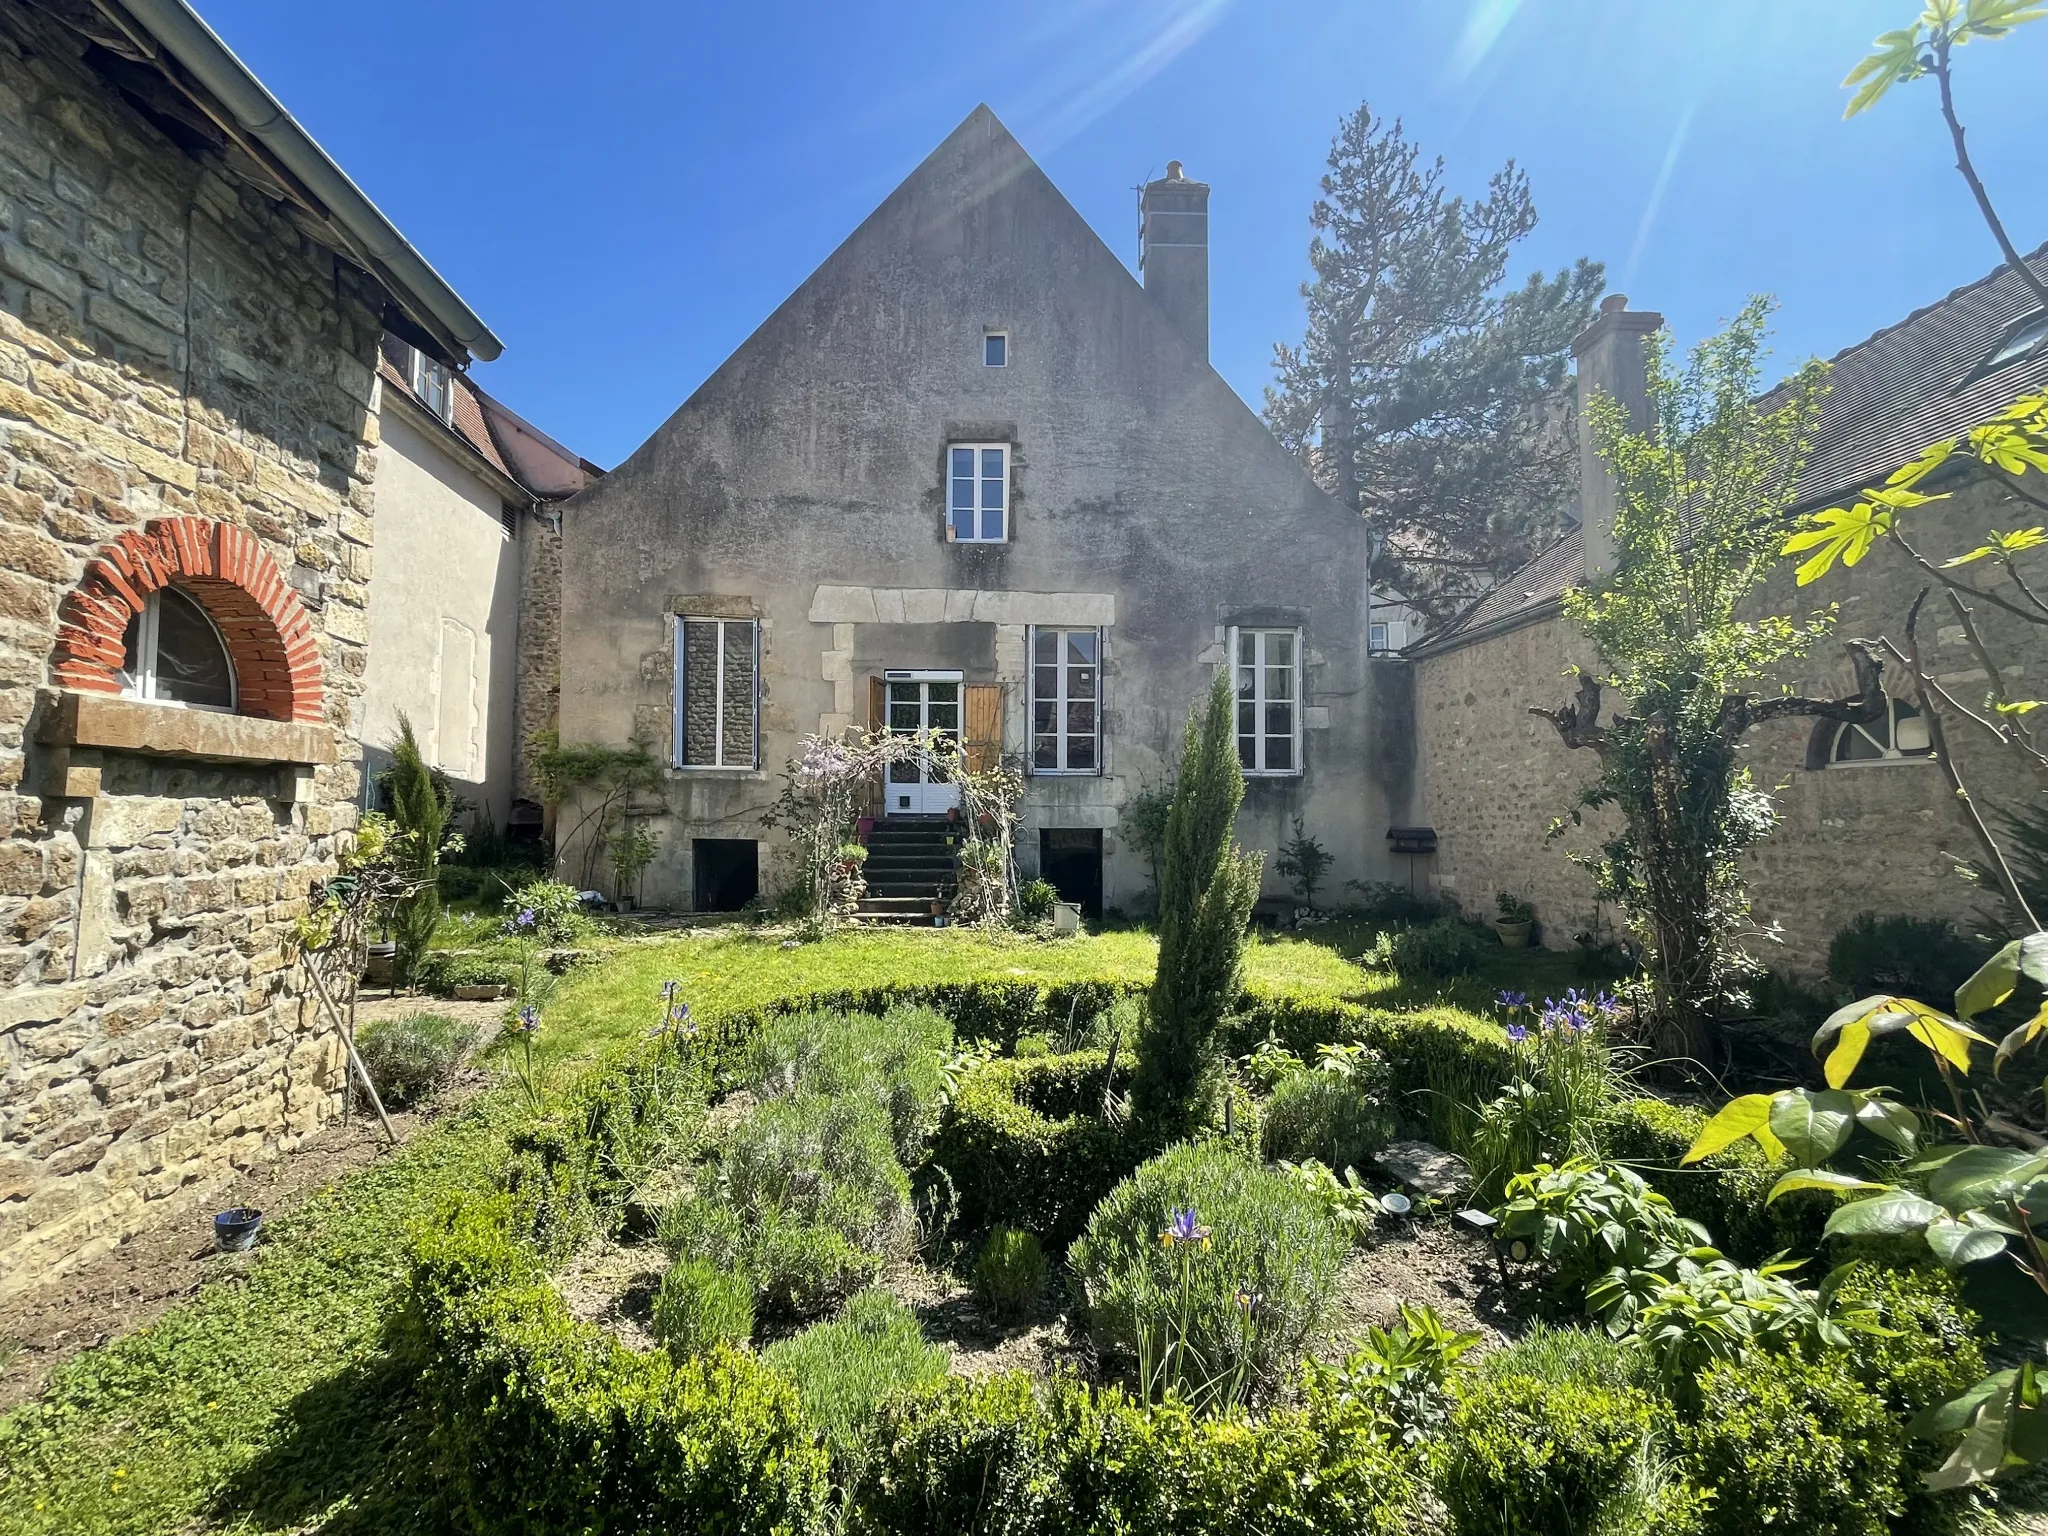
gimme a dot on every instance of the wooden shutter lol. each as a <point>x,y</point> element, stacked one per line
<point>983,730</point>
<point>878,704</point>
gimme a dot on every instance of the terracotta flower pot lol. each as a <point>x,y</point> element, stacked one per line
<point>1513,935</point>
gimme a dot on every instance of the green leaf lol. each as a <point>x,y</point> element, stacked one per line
<point>1944,1419</point>
<point>1838,533</point>
<point>1884,1215</point>
<point>1736,1120</point>
<point>1957,1243</point>
<point>1819,1178</point>
<point>2025,1035</point>
<point>1979,1176</point>
<point>1897,59</point>
<point>1849,1048</point>
<point>1995,18</point>
<point>1997,977</point>
<point>1892,1122</point>
<point>1981,1456</point>
<point>1812,1125</point>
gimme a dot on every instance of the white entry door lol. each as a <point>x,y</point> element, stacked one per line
<point>922,701</point>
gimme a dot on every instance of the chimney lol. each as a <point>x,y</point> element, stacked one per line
<point>1610,361</point>
<point>1173,230</point>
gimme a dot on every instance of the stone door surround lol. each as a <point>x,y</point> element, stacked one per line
<point>226,568</point>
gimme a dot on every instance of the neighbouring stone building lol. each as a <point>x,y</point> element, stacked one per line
<point>465,613</point>
<point>973,477</point>
<point>192,298</point>
<point>1869,821</point>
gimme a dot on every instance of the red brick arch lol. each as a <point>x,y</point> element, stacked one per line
<point>269,637</point>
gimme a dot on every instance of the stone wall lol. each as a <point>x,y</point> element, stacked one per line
<point>171,346</point>
<point>1885,837</point>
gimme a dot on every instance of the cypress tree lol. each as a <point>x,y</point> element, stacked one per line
<point>422,817</point>
<point>1207,886</point>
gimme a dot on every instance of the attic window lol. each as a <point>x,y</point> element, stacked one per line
<point>431,383</point>
<point>2021,337</point>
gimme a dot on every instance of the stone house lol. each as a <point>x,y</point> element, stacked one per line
<point>1868,819</point>
<point>192,300</point>
<point>464,611</point>
<point>972,477</point>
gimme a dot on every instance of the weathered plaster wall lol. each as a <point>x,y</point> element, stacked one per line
<point>1885,838</point>
<point>805,478</point>
<point>444,613</point>
<point>170,343</point>
<point>538,694</point>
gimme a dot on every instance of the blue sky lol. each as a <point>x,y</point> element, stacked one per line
<point>624,189</point>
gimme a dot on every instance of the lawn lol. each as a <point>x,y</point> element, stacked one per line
<point>264,1404</point>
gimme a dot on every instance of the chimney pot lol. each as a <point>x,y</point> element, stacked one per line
<point>1173,230</point>
<point>1614,303</point>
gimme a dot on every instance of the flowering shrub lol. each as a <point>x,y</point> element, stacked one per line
<point>1209,1272</point>
<point>558,915</point>
<point>1561,1095</point>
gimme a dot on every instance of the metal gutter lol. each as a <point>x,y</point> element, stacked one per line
<point>177,28</point>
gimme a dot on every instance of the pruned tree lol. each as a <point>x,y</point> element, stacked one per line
<point>420,811</point>
<point>1701,503</point>
<point>1427,393</point>
<point>1207,888</point>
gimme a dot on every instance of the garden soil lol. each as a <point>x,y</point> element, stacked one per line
<point>132,1285</point>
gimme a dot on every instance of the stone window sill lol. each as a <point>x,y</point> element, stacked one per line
<point>107,723</point>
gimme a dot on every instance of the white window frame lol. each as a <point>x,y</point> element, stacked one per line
<point>425,368</point>
<point>1891,756</point>
<point>1259,770</point>
<point>1031,731</point>
<point>981,510</point>
<point>679,699</point>
<point>143,684</point>
<point>986,338</point>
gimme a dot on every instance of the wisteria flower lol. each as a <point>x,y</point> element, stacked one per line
<point>1184,1228</point>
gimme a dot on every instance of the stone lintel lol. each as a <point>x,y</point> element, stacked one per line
<point>960,605</point>
<point>131,725</point>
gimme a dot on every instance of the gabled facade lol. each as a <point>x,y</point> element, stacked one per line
<point>972,476</point>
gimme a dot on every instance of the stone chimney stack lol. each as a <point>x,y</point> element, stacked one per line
<point>1610,361</point>
<point>1173,229</point>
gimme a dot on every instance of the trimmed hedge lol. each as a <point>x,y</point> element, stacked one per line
<point>545,1424</point>
<point>1725,1192</point>
<point>1004,1456</point>
<point>1025,1146</point>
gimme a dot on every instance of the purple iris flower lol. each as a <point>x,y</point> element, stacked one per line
<point>529,1020</point>
<point>669,990</point>
<point>1517,1033</point>
<point>1512,1000</point>
<point>1185,1227</point>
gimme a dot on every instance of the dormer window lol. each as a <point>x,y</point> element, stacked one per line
<point>2019,341</point>
<point>173,654</point>
<point>431,383</point>
<point>995,349</point>
<point>978,493</point>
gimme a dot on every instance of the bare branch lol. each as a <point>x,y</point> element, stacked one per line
<point>1740,711</point>
<point>1899,538</point>
<point>1577,722</point>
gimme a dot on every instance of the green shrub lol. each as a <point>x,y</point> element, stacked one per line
<point>1327,1116</point>
<point>1036,899</point>
<point>559,917</point>
<point>894,1058</point>
<point>1007,1456</point>
<point>1024,1143</point>
<point>804,1271</point>
<point>821,1161</point>
<point>1914,957</point>
<point>441,971</point>
<point>707,1229</point>
<point>1531,1457</point>
<point>700,1306</point>
<point>1223,1313</point>
<point>1009,1276</point>
<point>844,1368</point>
<point>1589,1220</point>
<point>1726,1192</point>
<point>1382,901</point>
<point>1568,1356</point>
<point>1444,946</point>
<point>458,882</point>
<point>541,1423</point>
<point>412,1057</point>
<point>1792,1446</point>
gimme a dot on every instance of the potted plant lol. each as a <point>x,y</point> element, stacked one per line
<point>632,850</point>
<point>1516,918</point>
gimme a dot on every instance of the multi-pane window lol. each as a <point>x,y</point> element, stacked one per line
<point>431,383</point>
<point>717,709</point>
<point>978,493</point>
<point>1066,701</point>
<point>1269,700</point>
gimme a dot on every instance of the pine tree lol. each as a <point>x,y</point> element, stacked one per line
<point>421,812</point>
<point>1427,394</point>
<point>1207,886</point>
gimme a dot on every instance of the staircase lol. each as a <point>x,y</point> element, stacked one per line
<point>911,863</point>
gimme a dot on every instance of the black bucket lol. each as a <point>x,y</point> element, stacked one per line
<point>235,1231</point>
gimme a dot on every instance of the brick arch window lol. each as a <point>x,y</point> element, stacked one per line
<point>221,570</point>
